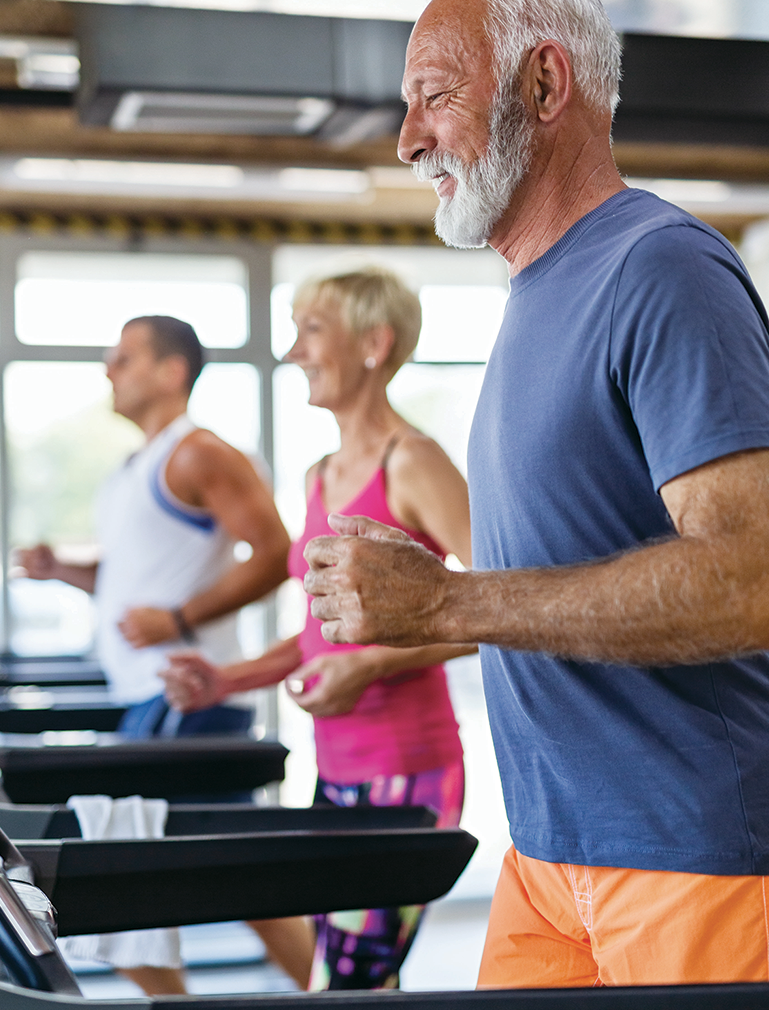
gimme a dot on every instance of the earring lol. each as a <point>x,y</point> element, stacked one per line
<point>370,362</point>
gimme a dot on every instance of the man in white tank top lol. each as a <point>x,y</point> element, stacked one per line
<point>168,520</point>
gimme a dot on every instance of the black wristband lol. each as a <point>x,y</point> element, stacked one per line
<point>186,633</point>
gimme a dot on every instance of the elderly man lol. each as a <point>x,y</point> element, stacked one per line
<point>619,482</point>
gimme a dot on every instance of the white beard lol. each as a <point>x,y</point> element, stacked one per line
<point>485,187</point>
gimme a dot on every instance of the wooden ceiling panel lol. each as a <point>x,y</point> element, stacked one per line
<point>693,161</point>
<point>36,17</point>
<point>383,206</point>
<point>57,132</point>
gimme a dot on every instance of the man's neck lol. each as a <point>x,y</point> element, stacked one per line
<point>551,200</point>
<point>158,417</point>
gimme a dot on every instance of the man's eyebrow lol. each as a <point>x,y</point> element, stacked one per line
<point>415,85</point>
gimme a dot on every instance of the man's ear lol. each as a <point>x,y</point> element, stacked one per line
<point>174,370</point>
<point>548,80</point>
<point>378,342</point>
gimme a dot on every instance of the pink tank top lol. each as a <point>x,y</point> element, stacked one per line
<point>400,725</point>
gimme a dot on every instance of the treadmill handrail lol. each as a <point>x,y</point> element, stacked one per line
<point>15,913</point>
<point>173,881</point>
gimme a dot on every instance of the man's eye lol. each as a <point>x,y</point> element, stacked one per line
<point>439,98</point>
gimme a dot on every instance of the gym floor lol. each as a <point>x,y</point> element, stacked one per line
<point>227,958</point>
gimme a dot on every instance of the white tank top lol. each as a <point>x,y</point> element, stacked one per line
<point>157,552</point>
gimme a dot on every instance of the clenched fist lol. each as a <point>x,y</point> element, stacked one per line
<point>143,626</point>
<point>38,562</point>
<point>373,583</point>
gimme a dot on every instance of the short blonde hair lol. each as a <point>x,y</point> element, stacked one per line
<point>368,297</point>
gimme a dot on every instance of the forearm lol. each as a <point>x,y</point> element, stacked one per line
<point>387,661</point>
<point>270,668</point>
<point>80,576</point>
<point>686,600</point>
<point>241,585</point>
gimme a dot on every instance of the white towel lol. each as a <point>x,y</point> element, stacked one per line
<point>130,817</point>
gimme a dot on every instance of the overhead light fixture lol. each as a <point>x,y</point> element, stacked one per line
<point>49,71</point>
<point>130,173</point>
<point>45,64</point>
<point>710,197</point>
<point>396,177</point>
<point>691,18</point>
<point>685,190</point>
<point>148,178</point>
<point>323,180</point>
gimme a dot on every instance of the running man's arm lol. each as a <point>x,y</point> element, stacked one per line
<point>206,472</point>
<point>41,563</point>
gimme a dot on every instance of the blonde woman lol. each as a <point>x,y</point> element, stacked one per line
<point>385,731</point>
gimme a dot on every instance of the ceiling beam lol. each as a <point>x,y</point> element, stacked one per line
<point>37,17</point>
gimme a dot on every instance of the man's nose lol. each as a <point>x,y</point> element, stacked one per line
<point>414,140</point>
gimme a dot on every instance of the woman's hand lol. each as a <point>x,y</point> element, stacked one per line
<point>193,683</point>
<point>337,680</point>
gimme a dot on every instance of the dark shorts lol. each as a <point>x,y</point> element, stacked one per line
<point>154,719</point>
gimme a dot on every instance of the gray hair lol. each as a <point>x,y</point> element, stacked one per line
<point>515,27</point>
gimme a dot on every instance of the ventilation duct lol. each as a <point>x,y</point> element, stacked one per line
<point>160,69</point>
<point>693,91</point>
<point>160,112</point>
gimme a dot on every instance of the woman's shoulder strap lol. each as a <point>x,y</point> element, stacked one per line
<point>389,449</point>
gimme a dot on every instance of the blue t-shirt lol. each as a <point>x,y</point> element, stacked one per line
<point>634,350</point>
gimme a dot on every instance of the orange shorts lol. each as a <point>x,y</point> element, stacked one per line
<point>557,925</point>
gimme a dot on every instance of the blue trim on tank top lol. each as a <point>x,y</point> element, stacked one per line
<point>203,522</point>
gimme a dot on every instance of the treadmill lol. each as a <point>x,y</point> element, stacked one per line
<point>50,671</point>
<point>301,862</point>
<point>35,708</point>
<point>39,693</point>
<point>223,862</point>
<point>651,998</point>
<point>44,769</point>
<point>40,979</point>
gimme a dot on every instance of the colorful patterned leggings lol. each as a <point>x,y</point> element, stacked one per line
<point>365,949</point>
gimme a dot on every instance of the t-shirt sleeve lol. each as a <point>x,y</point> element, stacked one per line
<point>690,350</point>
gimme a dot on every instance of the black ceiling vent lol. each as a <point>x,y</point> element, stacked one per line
<point>694,91</point>
<point>164,69</point>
